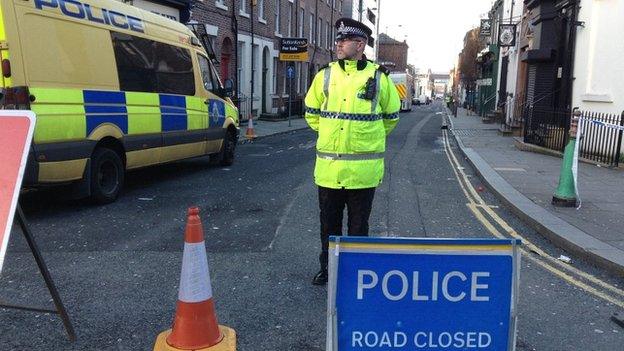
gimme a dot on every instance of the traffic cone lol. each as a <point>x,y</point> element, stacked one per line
<point>250,133</point>
<point>195,325</point>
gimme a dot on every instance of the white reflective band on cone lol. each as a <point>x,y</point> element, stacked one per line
<point>195,278</point>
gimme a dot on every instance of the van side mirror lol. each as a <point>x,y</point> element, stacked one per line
<point>228,87</point>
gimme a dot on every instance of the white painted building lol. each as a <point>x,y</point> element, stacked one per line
<point>598,67</point>
<point>511,55</point>
<point>367,12</point>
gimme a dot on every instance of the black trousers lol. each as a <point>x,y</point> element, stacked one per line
<point>332,202</point>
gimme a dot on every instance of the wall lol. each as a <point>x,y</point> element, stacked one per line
<point>598,65</point>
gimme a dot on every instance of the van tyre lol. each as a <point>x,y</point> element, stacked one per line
<point>107,175</point>
<point>225,157</point>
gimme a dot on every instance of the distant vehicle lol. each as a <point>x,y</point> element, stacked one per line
<point>423,100</point>
<point>404,83</point>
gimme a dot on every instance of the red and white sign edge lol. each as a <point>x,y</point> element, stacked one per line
<point>18,184</point>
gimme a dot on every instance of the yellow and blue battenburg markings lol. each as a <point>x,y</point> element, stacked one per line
<point>422,294</point>
<point>173,112</point>
<point>105,107</point>
<point>216,111</point>
<point>83,111</point>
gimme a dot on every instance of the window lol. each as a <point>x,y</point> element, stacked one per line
<point>328,44</point>
<point>371,16</point>
<point>204,68</point>
<point>339,6</point>
<point>304,75</point>
<point>298,85</point>
<point>284,77</point>
<point>275,75</point>
<point>221,4</point>
<point>278,3</point>
<point>301,22</point>
<point>241,72</point>
<point>311,33</point>
<point>290,18</point>
<point>261,9</point>
<point>150,66</point>
<point>319,32</point>
<point>243,6</point>
<point>254,52</point>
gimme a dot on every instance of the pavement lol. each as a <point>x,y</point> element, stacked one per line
<point>525,182</point>
<point>263,128</point>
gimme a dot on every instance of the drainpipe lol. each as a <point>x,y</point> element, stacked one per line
<point>311,66</point>
<point>251,17</point>
<point>235,30</point>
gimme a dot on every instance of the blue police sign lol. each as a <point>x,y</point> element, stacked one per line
<point>422,294</point>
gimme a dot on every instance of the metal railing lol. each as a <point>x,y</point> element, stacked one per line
<point>546,127</point>
<point>243,102</point>
<point>598,142</point>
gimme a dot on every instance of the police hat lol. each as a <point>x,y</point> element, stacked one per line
<point>348,28</point>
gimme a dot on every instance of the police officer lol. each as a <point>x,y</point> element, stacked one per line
<point>353,105</point>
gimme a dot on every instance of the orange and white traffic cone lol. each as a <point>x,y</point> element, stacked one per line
<point>195,325</point>
<point>250,133</point>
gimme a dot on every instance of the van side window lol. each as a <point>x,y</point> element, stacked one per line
<point>206,72</point>
<point>149,66</point>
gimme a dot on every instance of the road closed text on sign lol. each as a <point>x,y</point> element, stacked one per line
<point>16,129</point>
<point>422,294</point>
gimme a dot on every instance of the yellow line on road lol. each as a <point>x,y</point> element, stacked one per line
<point>476,202</point>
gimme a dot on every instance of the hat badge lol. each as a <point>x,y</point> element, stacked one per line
<point>342,26</point>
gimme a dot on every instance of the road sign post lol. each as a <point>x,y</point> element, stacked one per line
<point>422,294</point>
<point>290,74</point>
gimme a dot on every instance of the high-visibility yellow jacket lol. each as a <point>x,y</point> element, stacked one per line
<point>352,127</point>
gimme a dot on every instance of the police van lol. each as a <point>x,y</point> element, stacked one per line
<point>114,88</point>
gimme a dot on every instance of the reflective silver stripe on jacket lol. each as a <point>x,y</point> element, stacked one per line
<point>351,116</point>
<point>376,98</point>
<point>326,75</point>
<point>349,157</point>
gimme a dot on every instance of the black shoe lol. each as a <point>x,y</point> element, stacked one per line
<point>320,278</point>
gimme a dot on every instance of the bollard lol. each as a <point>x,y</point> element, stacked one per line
<point>565,195</point>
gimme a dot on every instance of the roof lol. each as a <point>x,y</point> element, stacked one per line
<point>435,76</point>
<point>385,39</point>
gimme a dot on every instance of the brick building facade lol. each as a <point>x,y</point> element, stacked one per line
<point>392,53</point>
<point>228,26</point>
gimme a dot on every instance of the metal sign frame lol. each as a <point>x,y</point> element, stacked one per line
<point>485,29</point>
<point>507,35</point>
<point>422,247</point>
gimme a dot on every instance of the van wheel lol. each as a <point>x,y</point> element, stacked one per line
<point>225,157</point>
<point>229,146</point>
<point>107,175</point>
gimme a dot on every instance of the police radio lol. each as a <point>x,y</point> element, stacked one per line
<point>370,89</point>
